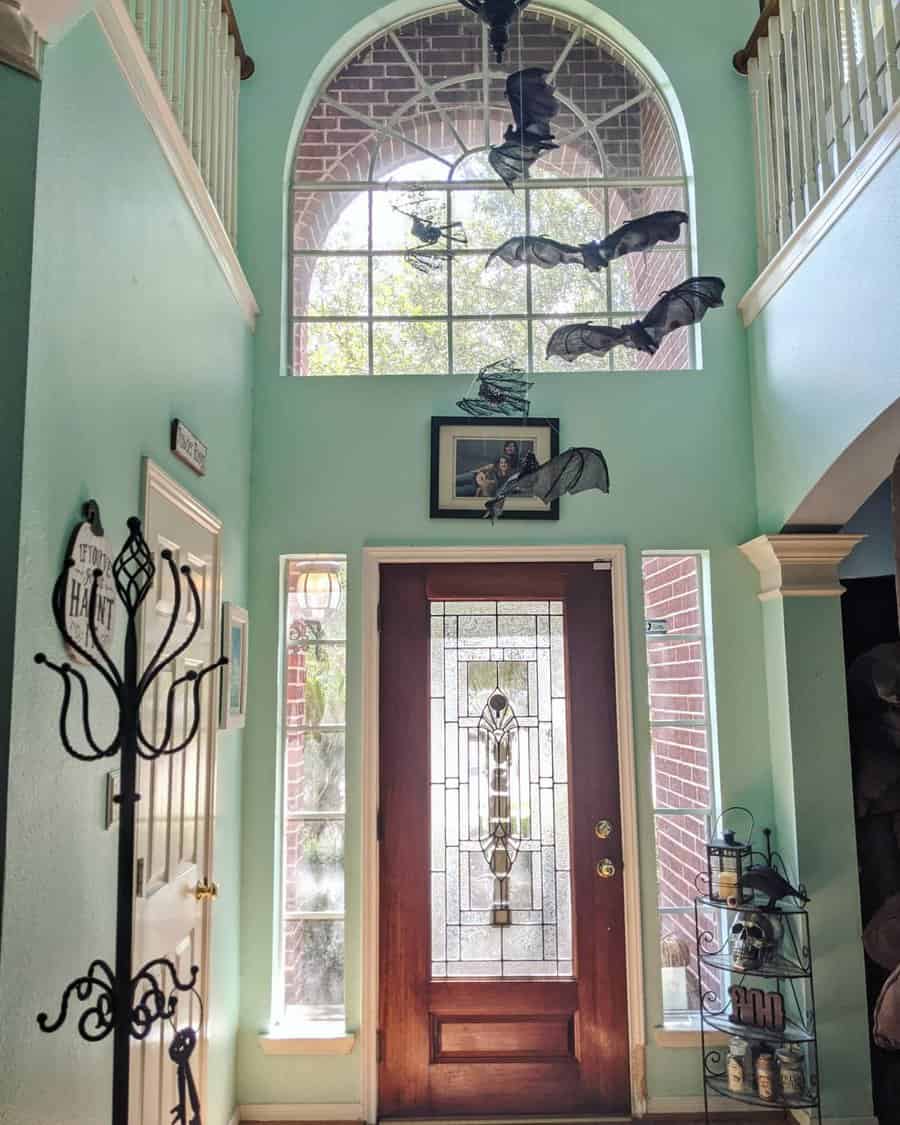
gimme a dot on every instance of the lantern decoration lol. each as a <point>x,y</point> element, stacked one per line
<point>727,860</point>
<point>319,588</point>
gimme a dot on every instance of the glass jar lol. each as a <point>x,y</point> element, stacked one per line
<point>736,1069</point>
<point>791,1071</point>
<point>766,1082</point>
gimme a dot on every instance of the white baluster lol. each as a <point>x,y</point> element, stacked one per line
<point>820,87</point>
<point>835,82</point>
<point>190,70</point>
<point>235,134</point>
<point>223,76</point>
<point>779,144</point>
<point>857,133</point>
<point>140,20</point>
<point>165,57</point>
<point>178,64</point>
<point>153,33</point>
<point>891,76</point>
<point>233,63</point>
<point>807,113</point>
<point>209,98</point>
<point>795,146</point>
<point>870,65</point>
<point>767,139</point>
<point>760,136</point>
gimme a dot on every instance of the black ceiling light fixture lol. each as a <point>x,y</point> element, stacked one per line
<point>498,15</point>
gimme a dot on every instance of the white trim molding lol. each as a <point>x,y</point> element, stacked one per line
<point>117,26</point>
<point>799,566</point>
<point>308,1041</point>
<point>235,1117</point>
<point>298,1111</point>
<point>865,165</point>
<point>373,558</point>
<point>20,45</point>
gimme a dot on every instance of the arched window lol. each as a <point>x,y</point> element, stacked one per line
<point>412,114</point>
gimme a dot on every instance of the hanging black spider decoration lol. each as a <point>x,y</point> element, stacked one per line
<point>427,256</point>
<point>533,103</point>
<point>498,15</point>
<point>502,389</point>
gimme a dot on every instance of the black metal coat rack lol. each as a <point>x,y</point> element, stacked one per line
<point>122,1002</point>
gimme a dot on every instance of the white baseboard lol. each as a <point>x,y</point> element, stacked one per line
<point>323,1111</point>
<point>235,1118</point>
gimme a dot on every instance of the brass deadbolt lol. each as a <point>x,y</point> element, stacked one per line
<point>606,868</point>
<point>603,829</point>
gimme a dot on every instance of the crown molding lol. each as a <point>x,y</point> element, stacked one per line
<point>799,566</point>
<point>20,44</point>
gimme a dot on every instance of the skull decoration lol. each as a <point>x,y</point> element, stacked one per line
<point>755,939</point>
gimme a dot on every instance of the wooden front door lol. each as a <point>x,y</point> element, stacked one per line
<point>502,949</point>
<point>175,814</point>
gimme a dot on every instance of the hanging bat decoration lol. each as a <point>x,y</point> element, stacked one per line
<point>533,103</point>
<point>630,238</point>
<point>180,1050</point>
<point>502,389</point>
<point>498,15</point>
<point>429,233</point>
<point>574,470</point>
<point>680,307</point>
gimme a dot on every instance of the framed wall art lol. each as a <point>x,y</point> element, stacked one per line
<point>471,457</point>
<point>233,697</point>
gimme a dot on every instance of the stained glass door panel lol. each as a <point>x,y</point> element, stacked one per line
<point>502,953</point>
<point>500,868</point>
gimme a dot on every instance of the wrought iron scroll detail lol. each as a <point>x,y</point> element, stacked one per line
<point>118,1002</point>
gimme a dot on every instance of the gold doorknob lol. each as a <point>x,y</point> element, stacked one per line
<point>205,890</point>
<point>606,868</point>
<point>603,829</point>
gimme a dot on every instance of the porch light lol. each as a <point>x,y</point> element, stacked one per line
<point>319,588</point>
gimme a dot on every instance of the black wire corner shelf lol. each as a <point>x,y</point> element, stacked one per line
<point>116,1000</point>
<point>791,973</point>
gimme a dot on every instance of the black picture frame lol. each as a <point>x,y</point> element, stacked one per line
<point>446,455</point>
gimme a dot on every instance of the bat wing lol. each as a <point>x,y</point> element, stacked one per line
<point>635,236</point>
<point>684,305</point>
<point>530,249</point>
<point>512,159</point>
<point>532,101</point>
<point>573,340</point>
<point>574,470</point>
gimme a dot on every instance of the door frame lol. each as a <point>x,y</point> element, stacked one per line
<point>611,557</point>
<point>157,480</point>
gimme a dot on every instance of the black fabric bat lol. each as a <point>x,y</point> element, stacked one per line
<point>574,470</point>
<point>684,305</point>
<point>631,238</point>
<point>534,105</point>
<point>498,15</point>
<point>502,389</point>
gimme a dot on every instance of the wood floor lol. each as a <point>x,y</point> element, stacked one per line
<point>749,1118</point>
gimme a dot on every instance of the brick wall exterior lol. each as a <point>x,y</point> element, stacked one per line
<point>681,775</point>
<point>379,82</point>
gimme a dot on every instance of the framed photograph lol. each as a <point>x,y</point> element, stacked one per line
<point>233,697</point>
<point>470,458</point>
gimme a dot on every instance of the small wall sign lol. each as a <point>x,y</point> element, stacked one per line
<point>187,447</point>
<point>90,552</point>
<point>754,1008</point>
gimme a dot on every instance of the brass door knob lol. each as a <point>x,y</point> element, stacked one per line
<point>205,890</point>
<point>606,868</point>
<point>603,829</point>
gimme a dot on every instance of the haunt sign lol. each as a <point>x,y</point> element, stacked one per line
<point>89,552</point>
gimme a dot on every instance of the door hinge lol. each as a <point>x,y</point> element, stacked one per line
<point>379,617</point>
<point>379,1045</point>
<point>139,878</point>
<point>379,826</point>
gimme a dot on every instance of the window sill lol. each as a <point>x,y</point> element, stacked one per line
<point>685,1033</point>
<point>313,1038</point>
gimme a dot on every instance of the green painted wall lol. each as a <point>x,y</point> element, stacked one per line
<point>20,97</point>
<point>342,463</point>
<point>131,324</point>
<point>824,351</point>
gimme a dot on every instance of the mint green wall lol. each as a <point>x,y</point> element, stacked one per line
<point>342,463</point>
<point>20,96</point>
<point>131,324</point>
<point>824,350</point>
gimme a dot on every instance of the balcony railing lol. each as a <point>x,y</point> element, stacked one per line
<point>195,49</point>
<point>823,74</point>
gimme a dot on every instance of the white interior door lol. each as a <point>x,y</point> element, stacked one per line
<point>175,813</point>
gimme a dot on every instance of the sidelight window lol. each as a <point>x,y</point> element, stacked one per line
<point>682,740</point>
<point>313,786</point>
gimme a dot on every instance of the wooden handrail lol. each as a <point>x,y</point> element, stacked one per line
<point>248,66</point>
<point>760,29</point>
